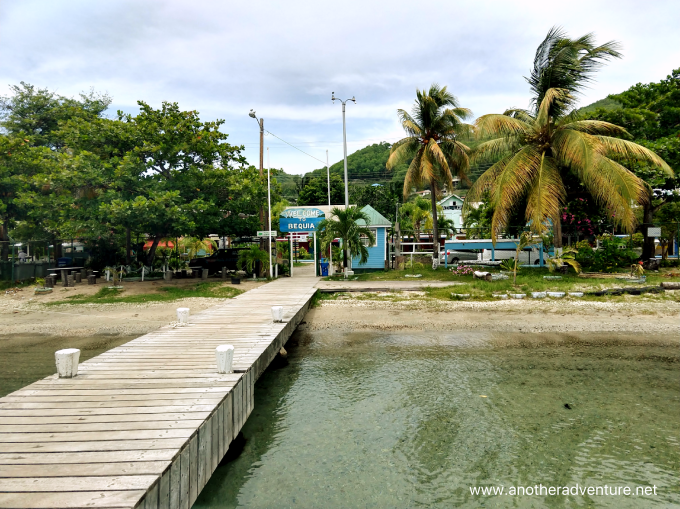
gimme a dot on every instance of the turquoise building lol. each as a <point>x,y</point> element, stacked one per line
<point>377,253</point>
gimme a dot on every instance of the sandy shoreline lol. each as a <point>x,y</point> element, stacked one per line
<point>561,316</point>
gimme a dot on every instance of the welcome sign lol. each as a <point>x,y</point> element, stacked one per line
<point>300,219</point>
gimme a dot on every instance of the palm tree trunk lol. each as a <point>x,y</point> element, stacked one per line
<point>557,234</point>
<point>435,229</point>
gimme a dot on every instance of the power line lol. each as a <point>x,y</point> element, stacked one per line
<point>296,148</point>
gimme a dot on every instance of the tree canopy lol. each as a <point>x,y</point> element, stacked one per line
<point>67,171</point>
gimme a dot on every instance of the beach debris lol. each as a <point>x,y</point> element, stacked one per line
<point>459,296</point>
<point>482,275</point>
<point>482,396</point>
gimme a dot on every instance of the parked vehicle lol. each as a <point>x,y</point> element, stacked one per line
<point>525,257</point>
<point>221,258</point>
<point>455,256</point>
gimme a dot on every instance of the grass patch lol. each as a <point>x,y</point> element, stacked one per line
<point>165,294</point>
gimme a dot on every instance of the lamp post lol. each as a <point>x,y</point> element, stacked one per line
<point>269,214</point>
<point>260,122</point>
<point>330,247</point>
<point>344,140</point>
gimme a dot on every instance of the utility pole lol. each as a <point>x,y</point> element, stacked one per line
<point>344,141</point>
<point>330,247</point>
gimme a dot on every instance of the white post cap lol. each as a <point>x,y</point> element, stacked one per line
<point>224,354</point>
<point>67,362</point>
<point>277,313</point>
<point>182,314</point>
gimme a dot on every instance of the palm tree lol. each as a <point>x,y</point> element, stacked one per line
<point>414,215</point>
<point>248,258</point>
<point>531,150</point>
<point>432,147</point>
<point>347,225</point>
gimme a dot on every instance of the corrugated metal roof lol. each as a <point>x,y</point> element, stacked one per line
<point>376,218</point>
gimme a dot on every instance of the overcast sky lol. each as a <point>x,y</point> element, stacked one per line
<point>284,59</point>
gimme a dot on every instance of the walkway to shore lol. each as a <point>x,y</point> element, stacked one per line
<point>145,424</point>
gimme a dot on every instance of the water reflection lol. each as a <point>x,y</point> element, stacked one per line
<point>398,420</point>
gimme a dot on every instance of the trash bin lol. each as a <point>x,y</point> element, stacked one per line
<point>324,268</point>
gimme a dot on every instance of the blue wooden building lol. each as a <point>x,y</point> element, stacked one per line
<point>377,253</point>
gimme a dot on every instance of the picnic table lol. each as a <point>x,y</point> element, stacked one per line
<point>64,271</point>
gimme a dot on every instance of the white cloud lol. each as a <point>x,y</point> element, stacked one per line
<point>285,58</point>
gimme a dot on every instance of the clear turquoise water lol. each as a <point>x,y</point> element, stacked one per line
<point>397,420</point>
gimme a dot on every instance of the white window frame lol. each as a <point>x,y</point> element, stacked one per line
<point>364,238</point>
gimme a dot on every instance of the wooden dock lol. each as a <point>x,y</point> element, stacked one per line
<point>145,424</point>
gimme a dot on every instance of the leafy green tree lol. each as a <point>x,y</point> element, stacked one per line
<point>38,113</point>
<point>431,146</point>
<point>383,198</point>
<point>535,148</point>
<point>346,225</point>
<point>651,114</point>
<point>314,191</point>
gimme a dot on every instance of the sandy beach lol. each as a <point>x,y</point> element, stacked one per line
<point>411,311</point>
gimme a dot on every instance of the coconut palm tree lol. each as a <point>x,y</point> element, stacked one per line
<point>532,150</point>
<point>350,225</point>
<point>433,127</point>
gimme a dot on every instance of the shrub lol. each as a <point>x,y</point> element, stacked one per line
<point>612,254</point>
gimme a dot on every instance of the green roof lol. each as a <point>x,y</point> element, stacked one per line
<point>375,217</point>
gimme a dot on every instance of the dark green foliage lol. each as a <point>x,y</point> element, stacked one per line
<point>314,191</point>
<point>367,165</point>
<point>382,198</point>
<point>614,253</point>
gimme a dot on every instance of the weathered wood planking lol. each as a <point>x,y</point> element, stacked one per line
<point>145,424</point>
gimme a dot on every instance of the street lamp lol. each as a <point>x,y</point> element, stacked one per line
<point>344,140</point>
<point>260,122</point>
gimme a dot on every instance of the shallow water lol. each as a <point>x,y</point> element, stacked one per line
<point>26,358</point>
<point>397,420</point>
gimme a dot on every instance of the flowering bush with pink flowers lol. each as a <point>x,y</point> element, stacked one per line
<point>462,270</point>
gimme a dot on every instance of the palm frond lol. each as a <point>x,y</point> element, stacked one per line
<point>574,149</point>
<point>493,124</point>
<point>633,151</point>
<point>594,127</point>
<point>493,149</point>
<point>520,114</point>
<point>400,151</point>
<point>413,177</point>
<point>545,195</point>
<point>484,183</point>
<point>512,185</point>
<point>552,97</point>
<point>615,188</point>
